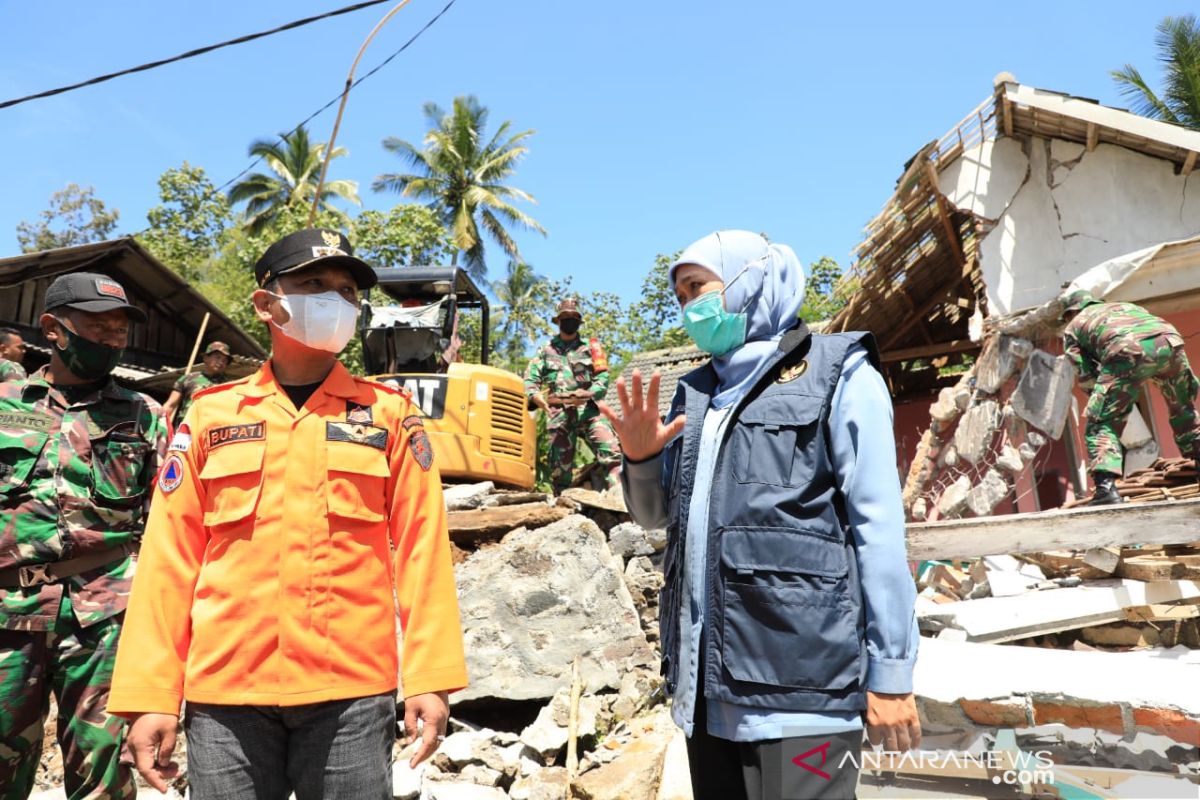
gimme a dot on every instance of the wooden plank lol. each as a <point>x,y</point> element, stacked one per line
<point>1093,136</point>
<point>944,215</point>
<point>1189,163</point>
<point>1007,109</point>
<point>472,527</point>
<point>928,350</point>
<point>1077,529</point>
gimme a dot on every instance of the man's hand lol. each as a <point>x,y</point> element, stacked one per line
<point>433,709</point>
<point>640,428</point>
<point>539,400</point>
<point>893,722</point>
<point>149,745</point>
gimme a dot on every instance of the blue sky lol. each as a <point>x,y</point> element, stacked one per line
<point>657,120</point>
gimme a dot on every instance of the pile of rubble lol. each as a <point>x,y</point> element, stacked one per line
<point>1165,479</point>
<point>986,431</point>
<point>559,603</point>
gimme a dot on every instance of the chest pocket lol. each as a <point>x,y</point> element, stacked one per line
<point>775,443</point>
<point>19,454</point>
<point>357,481</point>
<point>232,478</point>
<point>119,469</point>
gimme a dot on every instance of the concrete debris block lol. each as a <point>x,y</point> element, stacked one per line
<point>962,397</point>
<point>987,494</point>
<point>1043,394</point>
<point>1016,428</point>
<point>547,735</point>
<point>1000,362</point>
<point>629,539</point>
<point>511,497</point>
<point>657,539</point>
<point>976,430</point>
<point>547,783</point>
<point>442,790</point>
<point>489,524</point>
<point>1141,457</point>
<point>945,409</point>
<point>458,749</point>
<point>676,783</point>
<point>463,496</point>
<point>948,456</point>
<point>636,773</point>
<point>954,498</point>
<point>535,601</point>
<point>643,580</point>
<point>1035,440</point>
<point>1010,460</point>
<point>1104,559</point>
<point>920,510</point>
<point>608,500</point>
<point>1027,452</point>
<point>481,775</point>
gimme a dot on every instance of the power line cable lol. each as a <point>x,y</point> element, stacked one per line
<point>192,53</point>
<point>337,98</point>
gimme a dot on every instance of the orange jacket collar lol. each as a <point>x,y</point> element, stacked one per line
<point>338,383</point>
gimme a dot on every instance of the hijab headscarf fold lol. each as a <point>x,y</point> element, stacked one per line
<point>764,280</point>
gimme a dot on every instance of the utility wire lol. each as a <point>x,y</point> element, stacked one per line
<point>337,98</point>
<point>192,53</point>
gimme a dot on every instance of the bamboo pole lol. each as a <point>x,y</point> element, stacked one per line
<point>573,729</point>
<point>196,347</point>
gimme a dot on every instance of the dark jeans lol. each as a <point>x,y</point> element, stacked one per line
<point>766,770</point>
<point>338,750</point>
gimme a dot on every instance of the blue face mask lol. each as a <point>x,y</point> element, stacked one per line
<point>712,328</point>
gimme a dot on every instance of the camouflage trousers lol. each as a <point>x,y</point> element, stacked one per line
<point>564,427</point>
<point>1161,360</point>
<point>75,664</point>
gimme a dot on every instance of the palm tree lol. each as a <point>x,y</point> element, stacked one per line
<point>524,300</point>
<point>295,165</point>
<point>1178,43</point>
<point>464,179</point>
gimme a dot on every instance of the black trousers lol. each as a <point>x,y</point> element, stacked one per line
<point>772,769</point>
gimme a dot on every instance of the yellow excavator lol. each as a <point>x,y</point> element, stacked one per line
<point>476,415</point>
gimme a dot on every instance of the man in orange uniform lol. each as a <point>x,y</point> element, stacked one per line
<point>289,506</point>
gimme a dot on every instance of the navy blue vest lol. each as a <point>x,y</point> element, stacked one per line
<point>784,604</point>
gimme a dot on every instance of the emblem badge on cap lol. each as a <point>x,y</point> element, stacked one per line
<point>110,288</point>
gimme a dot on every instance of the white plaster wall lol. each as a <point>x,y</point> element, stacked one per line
<point>1059,210</point>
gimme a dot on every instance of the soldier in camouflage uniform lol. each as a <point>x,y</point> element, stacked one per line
<point>12,352</point>
<point>565,381</point>
<point>77,456</point>
<point>1118,347</point>
<point>216,360</point>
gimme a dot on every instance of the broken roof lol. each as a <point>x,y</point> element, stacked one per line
<point>917,279</point>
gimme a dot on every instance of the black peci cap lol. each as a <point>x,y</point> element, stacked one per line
<point>91,292</point>
<point>308,247</point>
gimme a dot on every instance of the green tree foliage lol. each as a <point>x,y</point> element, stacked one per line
<point>295,168</point>
<point>521,314</point>
<point>823,297</point>
<point>186,232</point>
<point>406,235</point>
<point>75,216</point>
<point>1178,43</point>
<point>463,174</point>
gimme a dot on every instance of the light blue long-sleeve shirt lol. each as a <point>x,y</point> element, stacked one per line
<point>864,456</point>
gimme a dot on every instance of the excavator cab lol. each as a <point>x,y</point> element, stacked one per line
<point>476,415</point>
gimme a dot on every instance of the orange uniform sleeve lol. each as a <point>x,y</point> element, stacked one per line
<point>152,654</point>
<point>433,658</point>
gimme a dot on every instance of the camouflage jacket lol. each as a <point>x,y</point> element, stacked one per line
<point>1110,332</point>
<point>563,367</point>
<point>75,478</point>
<point>189,384</point>
<point>11,371</point>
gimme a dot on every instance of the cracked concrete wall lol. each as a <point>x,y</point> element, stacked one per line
<point>1049,210</point>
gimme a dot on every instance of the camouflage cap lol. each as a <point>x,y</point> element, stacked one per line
<point>1078,299</point>
<point>567,308</point>
<point>218,347</point>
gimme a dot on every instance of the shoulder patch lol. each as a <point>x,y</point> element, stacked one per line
<point>172,473</point>
<point>182,441</point>
<point>418,444</point>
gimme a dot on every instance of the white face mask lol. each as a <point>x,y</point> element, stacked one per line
<point>323,321</point>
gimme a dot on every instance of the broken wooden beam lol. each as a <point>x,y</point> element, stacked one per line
<point>1077,529</point>
<point>482,524</point>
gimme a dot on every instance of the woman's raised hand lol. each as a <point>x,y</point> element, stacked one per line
<point>639,426</point>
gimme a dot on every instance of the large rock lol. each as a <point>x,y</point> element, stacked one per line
<point>467,495</point>
<point>977,428</point>
<point>954,498</point>
<point>546,783</point>
<point>987,494</point>
<point>630,539</point>
<point>636,772</point>
<point>444,790</point>
<point>535,601</point>
<point>1043,395</point>
<point>548,734</point>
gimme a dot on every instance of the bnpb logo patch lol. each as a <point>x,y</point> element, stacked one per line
<point>172,473</point>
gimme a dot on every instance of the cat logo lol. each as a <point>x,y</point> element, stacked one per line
<point>331,239</point>
<point>791,373</point>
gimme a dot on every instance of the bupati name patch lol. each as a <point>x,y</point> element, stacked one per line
<point>232,434</point>
<point>370,435</point>
<point>27,420</point>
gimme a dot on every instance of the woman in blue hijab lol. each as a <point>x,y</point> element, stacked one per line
<point>787,616</point>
